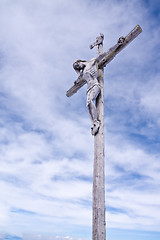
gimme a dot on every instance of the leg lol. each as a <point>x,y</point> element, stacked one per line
<point>92,110</point>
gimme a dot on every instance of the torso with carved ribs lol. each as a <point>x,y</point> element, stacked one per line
<point>90,73</point>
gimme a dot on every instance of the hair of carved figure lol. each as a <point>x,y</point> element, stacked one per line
<point>76,64</point>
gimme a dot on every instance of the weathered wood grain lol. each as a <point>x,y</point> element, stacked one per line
<point>109,55</point>
<point>98,218</point>
<point>75,87</point>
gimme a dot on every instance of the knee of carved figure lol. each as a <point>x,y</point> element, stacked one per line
<point>89,105</point>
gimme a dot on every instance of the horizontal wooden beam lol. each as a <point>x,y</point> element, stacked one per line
<point>106,57</point>
<point>75,87</point>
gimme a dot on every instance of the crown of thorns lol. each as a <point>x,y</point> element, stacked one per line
<point>77,61</point>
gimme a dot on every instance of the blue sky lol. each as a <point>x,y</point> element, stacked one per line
<point>46,149</point>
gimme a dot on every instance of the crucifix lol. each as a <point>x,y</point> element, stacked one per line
<point>91,73</point>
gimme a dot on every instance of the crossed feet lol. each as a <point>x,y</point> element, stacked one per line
<point>95,127</point>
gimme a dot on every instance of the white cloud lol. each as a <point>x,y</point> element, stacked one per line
<point>132,178</point>
<point>46,149</point>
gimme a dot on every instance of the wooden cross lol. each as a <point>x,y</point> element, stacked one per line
<point>98,215</point>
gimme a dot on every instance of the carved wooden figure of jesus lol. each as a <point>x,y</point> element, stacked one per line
<point>89,72</point>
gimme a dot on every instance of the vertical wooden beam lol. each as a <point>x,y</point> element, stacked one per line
<point>98,218</point>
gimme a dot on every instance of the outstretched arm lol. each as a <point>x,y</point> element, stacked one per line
<point>79,77</point>
<point>108,56</point>
<point>77,85</point>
